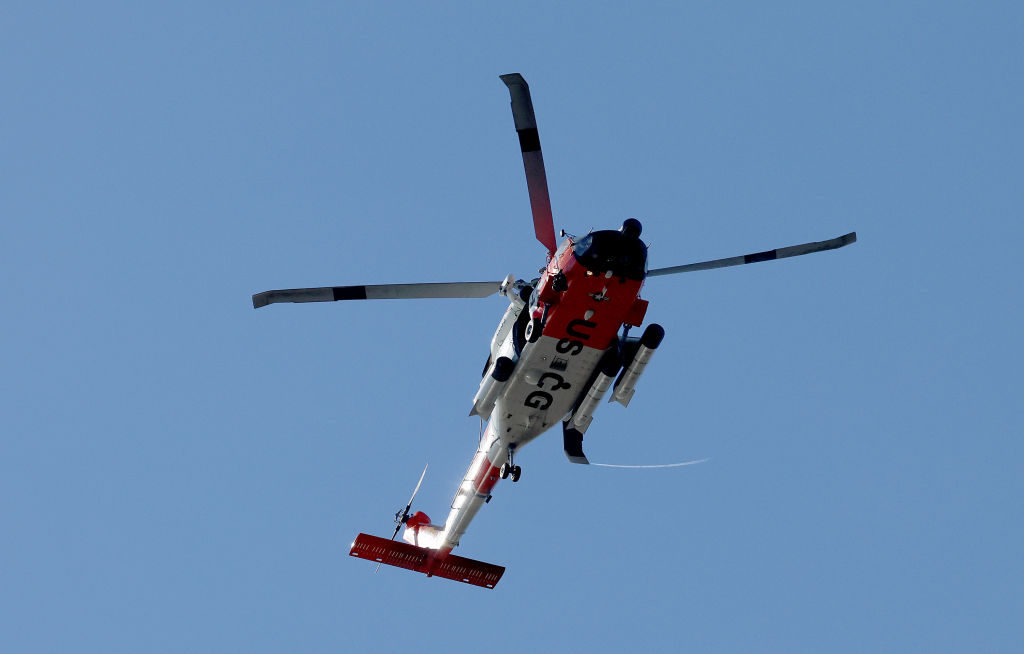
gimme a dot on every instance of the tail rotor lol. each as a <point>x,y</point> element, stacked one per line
<point>402,516</point>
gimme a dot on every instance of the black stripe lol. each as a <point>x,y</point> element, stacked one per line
<point>760,256</point>
<point>349,292</point>
<point>529,140</point>
<point>572,442</point>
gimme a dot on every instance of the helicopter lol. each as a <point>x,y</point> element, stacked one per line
<point>561,346</point>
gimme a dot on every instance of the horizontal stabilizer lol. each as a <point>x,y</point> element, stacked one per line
<point>421,559</point>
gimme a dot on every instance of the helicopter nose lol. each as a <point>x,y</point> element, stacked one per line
<point>631,228</point>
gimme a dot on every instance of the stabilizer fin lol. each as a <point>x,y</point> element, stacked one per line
<point>426,561</point>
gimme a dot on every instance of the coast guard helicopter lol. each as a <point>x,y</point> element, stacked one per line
<point>561,345</point>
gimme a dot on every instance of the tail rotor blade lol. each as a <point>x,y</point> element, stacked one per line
<point>377,292</point>
<point>417,489</point>
<point>769,255</point>
<point>403,516</point>
<point>533,160</point>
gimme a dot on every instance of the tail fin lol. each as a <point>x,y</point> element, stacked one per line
<point>421,559</point>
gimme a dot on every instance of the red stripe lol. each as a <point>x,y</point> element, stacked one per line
<point>486,480</point>
<point>567,314</point>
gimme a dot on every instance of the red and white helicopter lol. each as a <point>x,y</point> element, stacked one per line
<point>561,345</point>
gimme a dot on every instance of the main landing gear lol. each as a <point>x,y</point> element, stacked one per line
<point>509,468</point>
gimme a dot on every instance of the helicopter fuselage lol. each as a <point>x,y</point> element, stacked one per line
<point>587,292</point>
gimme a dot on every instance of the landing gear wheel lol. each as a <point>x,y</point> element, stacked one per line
<point>516,472</point>
<point>533,330</point>
<point>504,471</point>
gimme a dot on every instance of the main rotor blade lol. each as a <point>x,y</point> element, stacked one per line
<point>781,253</point>
<point>377,292</point>
<point>533,160</point>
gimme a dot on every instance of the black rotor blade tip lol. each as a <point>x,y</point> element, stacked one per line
<point>349,292</point>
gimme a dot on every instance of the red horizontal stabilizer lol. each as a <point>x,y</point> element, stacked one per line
<point>421,559</point>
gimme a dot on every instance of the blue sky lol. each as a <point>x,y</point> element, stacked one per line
<point>180,472</point>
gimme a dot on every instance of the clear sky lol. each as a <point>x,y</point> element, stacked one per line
<point>181,473</point>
